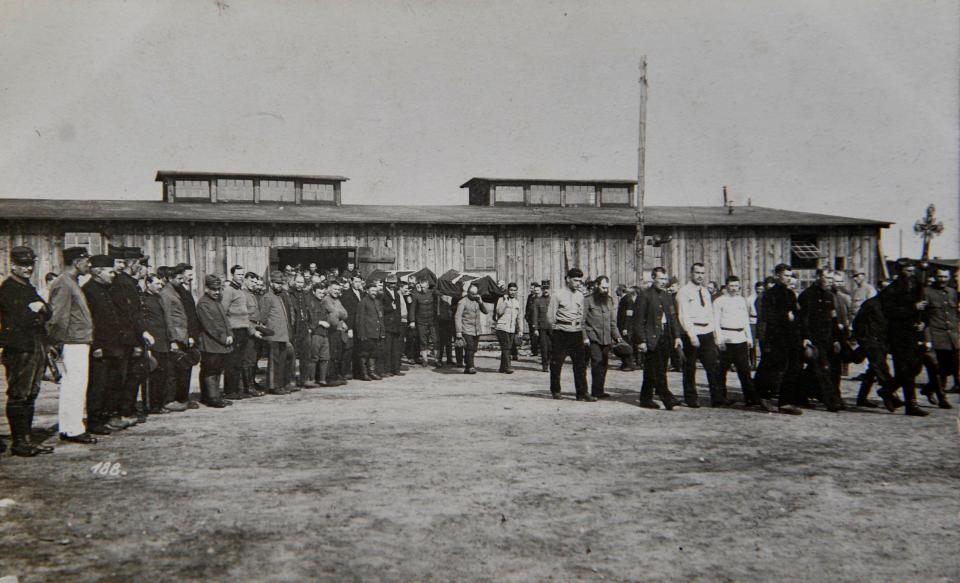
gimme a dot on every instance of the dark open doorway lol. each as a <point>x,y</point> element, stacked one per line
<point>324,257</point>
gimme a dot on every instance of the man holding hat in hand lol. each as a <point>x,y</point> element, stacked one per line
<point>22,317</point>
<point>71,326</point>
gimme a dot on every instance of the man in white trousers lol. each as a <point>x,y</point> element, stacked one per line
<point>71,328</point>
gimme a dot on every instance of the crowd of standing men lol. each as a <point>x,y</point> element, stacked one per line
<point>124,344</point>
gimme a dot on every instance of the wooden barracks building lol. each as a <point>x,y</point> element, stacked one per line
<point>513,229</point>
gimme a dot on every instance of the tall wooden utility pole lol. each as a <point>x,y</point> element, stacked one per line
<point>641,170</point>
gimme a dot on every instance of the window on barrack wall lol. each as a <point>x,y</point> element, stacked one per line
<point>92,241</point>
<point>479,253</point>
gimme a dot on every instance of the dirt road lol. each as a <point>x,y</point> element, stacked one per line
<point>438,476</point>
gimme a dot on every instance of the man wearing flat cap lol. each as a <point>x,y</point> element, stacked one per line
<point>71,326</point>
<point>22,317</point>
<point>215,340</point>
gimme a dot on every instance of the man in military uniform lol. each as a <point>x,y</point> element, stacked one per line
<point>780,343</point>
<point>820,331</point>
<point>941,321</point>
<point>903,307</point>
<point>22,317</point>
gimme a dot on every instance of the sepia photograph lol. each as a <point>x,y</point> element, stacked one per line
<point>413,291</point>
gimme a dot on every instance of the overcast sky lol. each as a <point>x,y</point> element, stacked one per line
<point>842,106</point>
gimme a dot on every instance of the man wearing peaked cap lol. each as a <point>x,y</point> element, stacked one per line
<point>22,317</point>
<point>71,326</point>
<point>134,336</point>
<point>105,383</point>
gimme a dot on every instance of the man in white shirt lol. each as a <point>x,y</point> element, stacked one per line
<point>695,311</point>
<point>735,339</point>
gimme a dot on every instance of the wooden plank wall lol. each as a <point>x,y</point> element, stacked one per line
<point>756,251</point>
<point>523,254</point>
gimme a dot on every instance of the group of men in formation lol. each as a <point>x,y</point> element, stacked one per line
<point>123,344</point>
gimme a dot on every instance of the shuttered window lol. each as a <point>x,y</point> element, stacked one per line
<point>479,252</point>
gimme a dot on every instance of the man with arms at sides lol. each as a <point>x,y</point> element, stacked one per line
<point>658,332</point>
<point>274,314</point>
<point>535,292</point>
<point>130,266</point>
<point>695,311</point>
<point>242,329</point>
<point>107,351</point>
<point>350,358</point>
<point>393,305</point>
<point>215,341</point>
<point>71,326</point>
<point>183,287</point>
<point>370,332</point>
<point>423,312</point>
<point>942,330</point>
<point>735,341</point>
<point>542,325</point>
<point>820,330</point>
<point>507,322</point>
<point>178,330</point>
<point>468,321</point>
<point>600,326</point>
<point>155,322</point>
<point>781,347</point>
<point>565,322</point>
<point>338,332</point>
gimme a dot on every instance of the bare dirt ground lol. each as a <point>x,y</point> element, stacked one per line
<point>438,476</point>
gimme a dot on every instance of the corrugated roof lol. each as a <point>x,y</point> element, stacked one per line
<point>548,181</point>
<point>186,175</point>
<point>199,212</point>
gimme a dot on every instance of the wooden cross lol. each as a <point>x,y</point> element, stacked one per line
<point>928,227</point>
